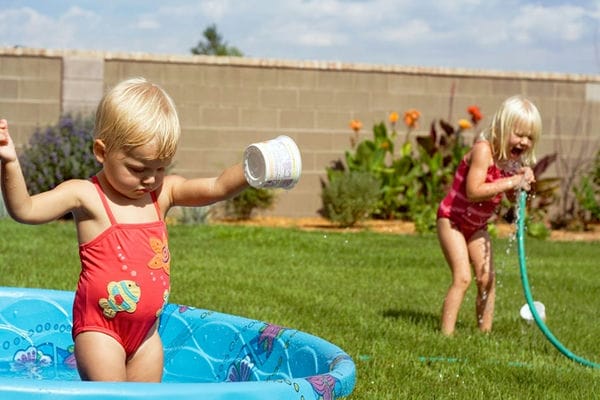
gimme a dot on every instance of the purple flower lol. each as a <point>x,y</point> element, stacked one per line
<point>323,385</point>
<point>241,370</point>
<point>267,337</point>
<point>30,360</point>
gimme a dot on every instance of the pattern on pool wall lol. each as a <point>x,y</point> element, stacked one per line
<point>36,339</point>
<point>201,346</point>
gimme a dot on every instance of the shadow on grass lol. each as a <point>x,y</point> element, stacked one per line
<point>412,316</point>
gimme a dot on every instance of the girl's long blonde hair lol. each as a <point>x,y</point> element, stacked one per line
<point>136,112</point>
<point>516,114</point>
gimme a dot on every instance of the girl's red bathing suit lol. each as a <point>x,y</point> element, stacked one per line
<point>124,280</point>
<point>465,215</point>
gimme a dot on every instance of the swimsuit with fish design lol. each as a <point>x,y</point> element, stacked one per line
<point>124,280</point>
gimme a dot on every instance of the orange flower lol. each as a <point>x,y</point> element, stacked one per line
<point>476,115</point>
<point>355,125</point>
<point>393,117</point>
<point>464,124</point>
<point>411,117</point>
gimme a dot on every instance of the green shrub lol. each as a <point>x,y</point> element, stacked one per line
<point>59,153</point>
<point>412,180</point>
<point>587,194</point>
<point>189,215</point>
<point>241,206</point>
<point>349,197</point>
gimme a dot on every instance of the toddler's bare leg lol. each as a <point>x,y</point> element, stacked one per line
<point>99,357</point>
<point>146,365</point>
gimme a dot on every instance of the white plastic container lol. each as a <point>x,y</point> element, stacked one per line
<point>274,163</point>
<point>528,316</point>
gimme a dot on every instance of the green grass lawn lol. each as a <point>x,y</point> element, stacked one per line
<point>377,296</point>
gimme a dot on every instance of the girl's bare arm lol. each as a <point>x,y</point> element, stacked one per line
<point>37,209</point>
<point>480,190</point>
<point>205,191</point>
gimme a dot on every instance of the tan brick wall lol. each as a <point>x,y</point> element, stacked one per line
<point>30,92</point>
<point>226,103</point>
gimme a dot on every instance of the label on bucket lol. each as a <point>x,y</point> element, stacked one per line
<point>274,163</point>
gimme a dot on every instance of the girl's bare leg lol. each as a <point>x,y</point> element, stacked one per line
<point>456,253</point>
<point>146,365</point>
<point>99,357</point>
<point>480,251</point>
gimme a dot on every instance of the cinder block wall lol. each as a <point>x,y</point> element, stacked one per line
<point>227,103</point>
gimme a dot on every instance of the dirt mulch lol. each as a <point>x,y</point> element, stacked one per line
<point>392,227</point>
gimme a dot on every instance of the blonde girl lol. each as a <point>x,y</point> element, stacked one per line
<point>499,162</point>
<point>119,214</point>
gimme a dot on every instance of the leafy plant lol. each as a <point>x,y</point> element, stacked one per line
<point>573,162</point>
<point>544,193</point>
<point>241,206</point>
<point>189,215</point>
<point>415,179</point>
<point>349,197</point>
<point>587,194</point>
<point>58,153</point>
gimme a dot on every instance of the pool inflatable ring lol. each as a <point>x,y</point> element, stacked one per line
<point>208,355</point>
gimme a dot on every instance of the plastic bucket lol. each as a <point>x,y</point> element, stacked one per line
<point>274,163</point>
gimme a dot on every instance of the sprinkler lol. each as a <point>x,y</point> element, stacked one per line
<point>527,290</point>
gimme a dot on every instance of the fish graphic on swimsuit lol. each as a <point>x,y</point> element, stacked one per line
<point>122,296</point>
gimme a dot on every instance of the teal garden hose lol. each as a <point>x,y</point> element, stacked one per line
<point>527,290</point>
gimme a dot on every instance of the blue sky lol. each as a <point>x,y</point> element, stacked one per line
<point>502,35</point>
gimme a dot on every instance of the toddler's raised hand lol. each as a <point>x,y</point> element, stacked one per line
<point>7,147</point>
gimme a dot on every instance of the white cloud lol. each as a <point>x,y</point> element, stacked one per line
<point>76,13</point>
<point>536,22</point>
<point>462,33</point>
<point>215,9</point>
<point>26,27</point>
<point>411,32</point>
<point>147,22</point>
<point>320,39</point>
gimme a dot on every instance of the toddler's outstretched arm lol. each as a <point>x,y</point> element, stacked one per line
<point>205,191</point>
<point>14,189</point>
<point>21,206</point>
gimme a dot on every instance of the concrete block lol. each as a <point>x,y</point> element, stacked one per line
<point>279,98</point>
<point>79,68</point>
<point>9,88</point>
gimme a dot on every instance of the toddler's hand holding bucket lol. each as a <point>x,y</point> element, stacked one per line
<point>274,163</point>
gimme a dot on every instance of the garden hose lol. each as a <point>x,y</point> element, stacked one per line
<point>527,290</point>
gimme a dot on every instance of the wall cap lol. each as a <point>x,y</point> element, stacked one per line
<point>296,64</point>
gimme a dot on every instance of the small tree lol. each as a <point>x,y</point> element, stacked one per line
<point>214,45</point>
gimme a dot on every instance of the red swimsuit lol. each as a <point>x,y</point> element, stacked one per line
<point>124,281</point>
<point>467,216</point>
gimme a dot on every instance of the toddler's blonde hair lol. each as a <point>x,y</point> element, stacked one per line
<point>136,112</point>
<point>516,114</point>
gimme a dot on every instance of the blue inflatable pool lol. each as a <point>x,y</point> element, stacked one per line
<point>208,355</point>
